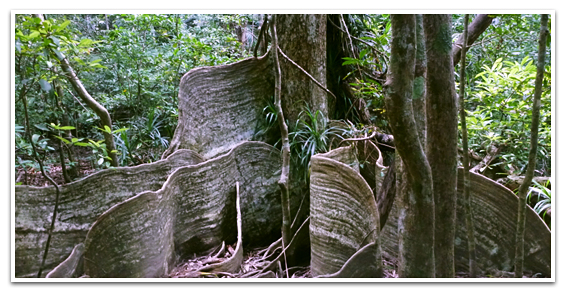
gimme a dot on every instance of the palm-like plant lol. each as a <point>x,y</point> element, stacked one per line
<point>311,135</point>
<point>544,194</point>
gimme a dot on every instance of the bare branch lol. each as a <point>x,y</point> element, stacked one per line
<point>306,73</point>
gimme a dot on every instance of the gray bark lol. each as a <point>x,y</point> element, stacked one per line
<point>222,106</point>
<point>339,191</point>
<point>442,136</point>
<point>81,202</point>
<point>193,213</point>
<point>302,37</point>
<point>417,227</point>
<point>495,212</point>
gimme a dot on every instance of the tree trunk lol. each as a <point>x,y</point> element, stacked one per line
<point>442,135</point>
<point>419,101</point>
<point>417,223</point>
<point>520,235</point>
<point>303,40</point>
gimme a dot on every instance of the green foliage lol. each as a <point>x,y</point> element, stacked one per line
<point>311,135</point>
<point>544,195</point>
<point>131,64</point>
<point>501,103</point>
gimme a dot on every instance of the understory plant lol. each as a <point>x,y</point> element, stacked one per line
<point>311,135</point>
<point>544,198</point>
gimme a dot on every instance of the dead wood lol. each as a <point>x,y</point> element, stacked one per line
<point>486,161</point>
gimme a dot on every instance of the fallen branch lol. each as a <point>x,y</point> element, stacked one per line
<point>359,139</point>
<point>489,157</point>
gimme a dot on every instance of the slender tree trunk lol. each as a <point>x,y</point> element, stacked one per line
<point>94,105</point>
<point>417,219</point>
<point>442,136</point>
<point>72,171</point>
<point>285,149</point>
<point>91,102</point>
<point>303,40</point>
<point>466,161</point>
<point>520,235</point>
<point>50,232</point>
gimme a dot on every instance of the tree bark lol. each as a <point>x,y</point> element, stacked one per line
<point>442,135</point>
<point>303,39</point>
<point>466,162</point>
<point>419,101</point>
<point>520,235</point>
<point>417,223</point>
<point>476,28</point>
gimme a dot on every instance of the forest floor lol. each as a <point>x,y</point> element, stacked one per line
<point>33,177</point>
<point>254,263</point>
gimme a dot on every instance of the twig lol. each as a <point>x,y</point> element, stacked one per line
<point>306,73</point>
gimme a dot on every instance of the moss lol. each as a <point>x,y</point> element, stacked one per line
<point>443,41</point>
<point>419,87</point>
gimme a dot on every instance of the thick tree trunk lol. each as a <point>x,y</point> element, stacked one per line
<point>419,101</point>
<point>303,40</point>
<point>442,135</point>
<point>520,236</point>
<point>476,28</point>
<point>417,223</point>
